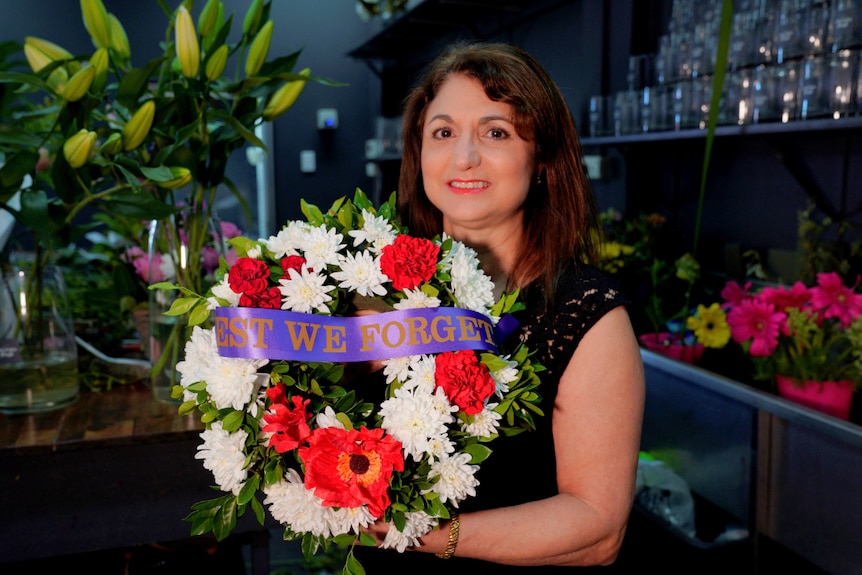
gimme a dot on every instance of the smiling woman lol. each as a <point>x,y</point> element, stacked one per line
<point>491,158</point>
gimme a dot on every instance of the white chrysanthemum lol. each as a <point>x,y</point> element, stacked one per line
<point>421,376</point>
<point>472,288</point>
<point>361,273</point>
<point>457,478</point>
<point>255,251</point>
<point>326,418</point>
<point>231,382</point>
<point>222,290</point>
<point>485,423</point>
<point>305,292</point>
<point>397,368</point>
<point>288,240</point>
<point>416,299</point>
<point>349,519</point>
<point>223,454</point>
<point>234,382</point>
<point>199,350</point>
<point>503,377</point>
<point>321,246</point>
<point>376,231</point>
<point>417,524</point>
<point>294,505</point>
<point>411,419</point>
<point>440,446</point>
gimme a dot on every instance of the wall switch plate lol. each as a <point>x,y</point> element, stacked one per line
<point>307,161</point>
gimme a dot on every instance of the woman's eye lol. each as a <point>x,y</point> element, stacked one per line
<point>497,133</point>
<point>441,133</point>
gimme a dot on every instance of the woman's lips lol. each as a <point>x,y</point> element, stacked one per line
<point>468,187</point>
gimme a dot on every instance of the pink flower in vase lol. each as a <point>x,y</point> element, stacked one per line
<point>835,299</point>
<point>758,321</point>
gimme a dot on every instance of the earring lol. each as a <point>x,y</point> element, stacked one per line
<point>538,179</point>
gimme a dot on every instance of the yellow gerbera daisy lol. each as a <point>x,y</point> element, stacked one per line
<point>710,326</point>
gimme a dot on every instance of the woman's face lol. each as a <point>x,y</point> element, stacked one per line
<point>475,167</point>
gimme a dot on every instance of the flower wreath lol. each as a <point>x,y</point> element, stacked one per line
<point>328,460</point>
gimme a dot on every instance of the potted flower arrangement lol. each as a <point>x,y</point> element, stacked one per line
<point>146,142</point>
<point>807,339</point>
<point>645,255</point>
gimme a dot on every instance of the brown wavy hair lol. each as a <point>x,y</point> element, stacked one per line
<point>561,219</point>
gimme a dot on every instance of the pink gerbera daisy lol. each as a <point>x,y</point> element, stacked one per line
<point>735,294</point>
<point>835,299</point>
<point>756,321</point>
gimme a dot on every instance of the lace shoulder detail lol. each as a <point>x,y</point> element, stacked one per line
<point>584,295</point>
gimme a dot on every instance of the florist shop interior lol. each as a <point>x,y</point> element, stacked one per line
<point>721,138</point>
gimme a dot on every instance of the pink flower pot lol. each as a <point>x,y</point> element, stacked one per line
<point>663,343</point>
<point>832,397</point>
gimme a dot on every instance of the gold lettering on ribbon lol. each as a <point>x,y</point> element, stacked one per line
<point>234,331</point>
<point>417,331</point>
<point>472,329</point>
<point>448,333</point>
<point>335,339</point>
<point>301,337</point>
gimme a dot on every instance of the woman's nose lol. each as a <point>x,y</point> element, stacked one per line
<point>467,154</point>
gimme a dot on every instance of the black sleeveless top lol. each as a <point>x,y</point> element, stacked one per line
<point>522,468</point>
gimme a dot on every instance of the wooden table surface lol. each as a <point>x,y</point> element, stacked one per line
<point>124,414</point>
<point>113,470</point>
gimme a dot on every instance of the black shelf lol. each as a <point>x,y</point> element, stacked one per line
<point>764,129</point>
<point>431,21</point>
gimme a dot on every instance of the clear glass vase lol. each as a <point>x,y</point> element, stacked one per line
<point>183,250</point>
<point>38,351</point>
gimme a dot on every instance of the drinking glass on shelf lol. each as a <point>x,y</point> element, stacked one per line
<point>680,105</point>
<point>813,96</point>
<point>736,98</point>
<point>742,38</point>
<point>597,116</point>
<point>788,30</point>
<point>845,25</point>
<point>625,112</point>
<point>815,27</point>
<point>764,106</point>
<point>842,77</point>
<point>701,95</point>
<point>786,78</point>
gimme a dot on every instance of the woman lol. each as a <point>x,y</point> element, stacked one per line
<point>491,158</point>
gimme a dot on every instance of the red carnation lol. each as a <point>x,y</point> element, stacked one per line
<point>409,261</point>
<point>292,263</point>
<point>248,276</point>
<point>351,468</point>
<point>465,380</point>
<point>269,299</point>
<point>289,426</point>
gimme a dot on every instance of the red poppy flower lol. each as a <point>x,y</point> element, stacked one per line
<point>248,276</point>
<point>268,299</point>
<point>351,468</point>
<point>288,425</point>
<point>465,380</point>
<point>409,261</point>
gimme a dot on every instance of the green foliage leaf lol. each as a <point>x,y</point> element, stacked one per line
<point>233,420</point>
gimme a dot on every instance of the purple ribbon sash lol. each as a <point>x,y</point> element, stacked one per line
<point>285,335</point>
